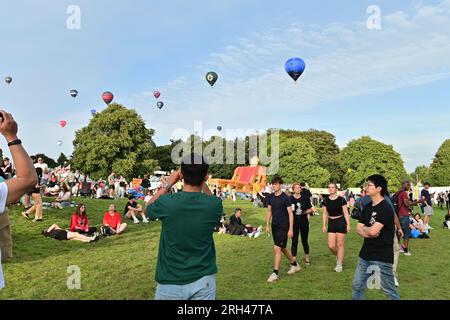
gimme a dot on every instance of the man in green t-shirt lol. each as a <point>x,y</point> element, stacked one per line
<point>186,265</point>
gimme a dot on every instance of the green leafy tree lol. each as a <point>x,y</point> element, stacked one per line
<point>439,174</point>
<point>364,157</point>
<point>325,147</point>
<point>298,163</point>
<point>421,174</point>
<point>62,160</point>
<point>115,140</point>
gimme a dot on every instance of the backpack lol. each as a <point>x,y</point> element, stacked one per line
<point>394,200</point>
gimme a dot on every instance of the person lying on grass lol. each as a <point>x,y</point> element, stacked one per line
<point>80,223</point>
<point>57,233</point>
<point>112,222</point>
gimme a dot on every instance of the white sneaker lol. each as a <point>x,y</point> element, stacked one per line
<point>145,221</point>
<point>136,221</point>
<point>250,235</point>
<point>273,277</point>
<point>407,253</point>
<point>294,269</point>
<point>396,282</point>
<point>338,268</point>
<point>260,229</point>
<point>257,234</point>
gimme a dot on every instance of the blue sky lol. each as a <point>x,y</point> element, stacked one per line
<point>391,84</point>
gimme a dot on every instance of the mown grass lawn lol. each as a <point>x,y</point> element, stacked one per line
<point>123,267</point>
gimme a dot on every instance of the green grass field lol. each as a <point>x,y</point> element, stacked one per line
<point>123,267</point>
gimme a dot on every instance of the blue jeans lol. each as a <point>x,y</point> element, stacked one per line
<point>379,275</point>
<point>404,222</point>
<point>202,289</point>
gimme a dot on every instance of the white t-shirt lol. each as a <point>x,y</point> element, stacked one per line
<point>3,195</point>
<point>43,166</point>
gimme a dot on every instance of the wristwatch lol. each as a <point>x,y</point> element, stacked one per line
<point>14,142</point>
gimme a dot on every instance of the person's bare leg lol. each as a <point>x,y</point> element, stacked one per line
<point>78,237</point>
<point>340,237</point>
<point>427,220</point>
<point>288,254</point>
<point>121,228</point>
<point>332,243</point>
<point>277,258</point>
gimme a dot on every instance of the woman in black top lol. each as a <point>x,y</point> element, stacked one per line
<point>335,212</point>
<point>301,207</point>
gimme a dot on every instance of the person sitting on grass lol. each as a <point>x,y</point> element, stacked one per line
<point>238,228</point>
<point>63,199</point>
<point>52,186</point>
<point>132,208</point>
<point>80,223</point>
<point>102,193</point>
<point>112,222</point>
<point>447,220</point>
<point>57,233</point>
<point>222,227</point>
<point>418,228</point>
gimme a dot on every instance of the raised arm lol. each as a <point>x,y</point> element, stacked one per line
<point>26,176</point>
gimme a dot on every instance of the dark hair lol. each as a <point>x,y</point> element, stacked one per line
<point>237,209</point>
<point>379,181</point>
<point>302,184</point>
<point>277,179</point>
<point>131,197</point>
<point>426,184</point>
<point>45,232</point>
<point>194,169</point>
<point>333,183</point>
<point>79,209</point>
<point>65,188</point>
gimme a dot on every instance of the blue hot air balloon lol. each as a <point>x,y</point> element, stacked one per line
<point>93,112</point>
<point>295,67</point>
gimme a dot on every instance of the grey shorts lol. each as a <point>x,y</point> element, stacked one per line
<point>428,211</point>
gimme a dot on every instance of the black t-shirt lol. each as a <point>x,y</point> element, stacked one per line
<point>298,206</point>
<point>306,199</point>
<point>334,207</point>
<point>129,204</point>
<point>234,221</point>
<point>381,247</point>
<point>39,175</point>
<point>145,183</point>
<point>280,205</point>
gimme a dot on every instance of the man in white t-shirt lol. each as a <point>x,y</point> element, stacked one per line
<point>26,178</point>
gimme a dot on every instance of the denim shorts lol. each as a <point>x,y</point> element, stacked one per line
<point>404,222</point>
<point>202,289</point>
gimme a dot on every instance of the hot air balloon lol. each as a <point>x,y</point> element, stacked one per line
<point>8,80</point>
<point>295,67</point>
<point>107,97</point>
<point>156,94</point>
<point>73,93</point>
<point>219,128</point>
<point>160,104</point>
<point>59,143</point>
<point>211,77</point>
<point>93,112</point>
<point>63,123</point>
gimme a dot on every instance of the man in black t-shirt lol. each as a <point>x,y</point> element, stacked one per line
<point>376,258</point>
<point>306,198</point>
<point>145,183</point>
<point>279,210</point>
<point>132,208</point>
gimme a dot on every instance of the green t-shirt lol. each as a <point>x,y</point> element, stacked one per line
<point>186,246</point>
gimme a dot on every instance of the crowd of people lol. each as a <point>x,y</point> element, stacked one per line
<point>186,267</point>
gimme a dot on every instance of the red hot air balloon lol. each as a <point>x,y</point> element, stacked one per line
<point>156,94</point>
<point>107,97</point>
<point>63,123</point>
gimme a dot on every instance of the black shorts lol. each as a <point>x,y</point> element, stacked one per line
<point>338,225</point>
<point>111,186</point>
<point>280,235</point>
<point>59,234</point>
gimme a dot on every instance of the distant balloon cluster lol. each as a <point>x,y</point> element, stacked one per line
<point>294,67</point>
